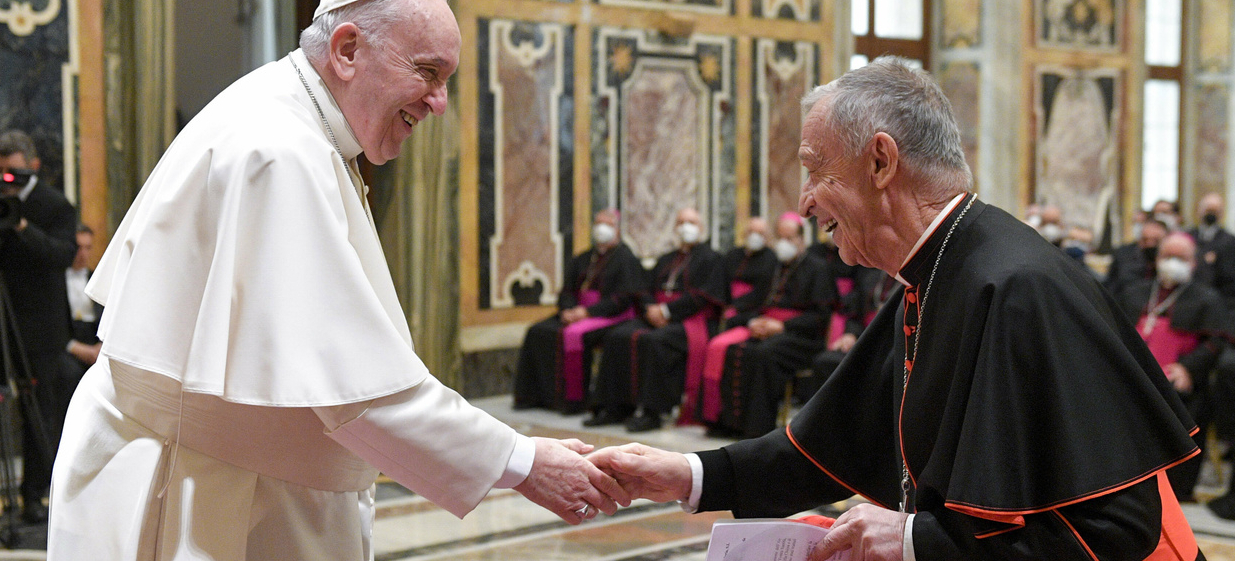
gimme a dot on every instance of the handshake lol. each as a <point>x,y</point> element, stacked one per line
<point>575,482</point>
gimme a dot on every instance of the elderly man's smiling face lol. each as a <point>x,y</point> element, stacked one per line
<point>836,193</point>
<point>400,81</point>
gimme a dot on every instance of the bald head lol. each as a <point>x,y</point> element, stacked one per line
<point>757,226</point>
<point>1178,245</point>
<point>607,216</point>
<point>1210,208</point>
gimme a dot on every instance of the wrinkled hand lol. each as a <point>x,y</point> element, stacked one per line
<point>1179,377</point>
<point>844,343</point>
<point>564,482</point>
<point>872,533</point>
<point>646,472</point>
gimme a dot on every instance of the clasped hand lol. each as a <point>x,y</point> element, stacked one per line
<point>872,533</point>
<point>568,485</point>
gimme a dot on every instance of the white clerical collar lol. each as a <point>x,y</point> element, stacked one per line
<point>943,215</point>
<point>342,130</point>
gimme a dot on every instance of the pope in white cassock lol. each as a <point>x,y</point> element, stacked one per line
<point>257,369</point>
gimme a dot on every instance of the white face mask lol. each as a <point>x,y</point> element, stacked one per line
<point>1173,271</point>
<point>603,233</point>
<point>785,250</point>
<point>1052,232</point>
<point>1167,218</point>
<point>755,241</point>
<point>1034,221</point>
<point>688,232</point>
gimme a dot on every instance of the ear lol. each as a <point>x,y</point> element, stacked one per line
<point>35,164</point>
<point>344,43</point>
<point>885,157</point>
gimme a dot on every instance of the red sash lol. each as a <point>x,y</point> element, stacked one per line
<point>1165,342</point>
<point>714,363</point>
<point>572,344</point>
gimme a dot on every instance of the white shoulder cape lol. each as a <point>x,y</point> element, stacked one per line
<point>248,267</point>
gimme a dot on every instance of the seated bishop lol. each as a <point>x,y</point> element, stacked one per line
<point>647,359</point>
<point>1181,321</point>
<point>748,365</point>
<point>599,284</point>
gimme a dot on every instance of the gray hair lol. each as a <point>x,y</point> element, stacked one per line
<point>373,17</point>
<point>890,96</point>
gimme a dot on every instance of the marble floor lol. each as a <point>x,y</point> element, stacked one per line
<point>507,527</point>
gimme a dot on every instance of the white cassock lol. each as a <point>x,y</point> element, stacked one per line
<point>256,364</point>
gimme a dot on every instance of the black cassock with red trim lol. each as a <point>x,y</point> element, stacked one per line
<point>1036,423</point>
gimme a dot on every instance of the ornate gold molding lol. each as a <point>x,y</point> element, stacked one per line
<point>22,18</point>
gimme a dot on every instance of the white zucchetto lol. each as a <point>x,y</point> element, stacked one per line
<point>328,5</point>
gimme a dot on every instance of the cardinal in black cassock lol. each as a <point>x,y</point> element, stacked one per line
<point>999,407</point>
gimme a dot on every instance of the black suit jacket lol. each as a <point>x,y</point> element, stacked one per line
<point>1215,263</point>
<point>32,263</point>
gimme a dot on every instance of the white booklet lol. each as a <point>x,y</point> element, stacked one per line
<point>766,539</point>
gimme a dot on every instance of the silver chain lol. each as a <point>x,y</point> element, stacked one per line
<point>917,337</point>
<point>321,115</point>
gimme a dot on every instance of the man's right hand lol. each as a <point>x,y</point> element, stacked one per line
<point>565,483</point>
<point>646,472</point>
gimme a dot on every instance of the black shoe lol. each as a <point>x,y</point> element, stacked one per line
<point>33,512</point>
<point>524,406</point>
<point>605,416</point>
<point>643,422</point>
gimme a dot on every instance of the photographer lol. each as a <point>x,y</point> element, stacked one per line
<point>37,243</point>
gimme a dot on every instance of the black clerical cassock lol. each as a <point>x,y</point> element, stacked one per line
<point>1035,423</point>
<point>611,279</point>
<point>642,366</point>
<point>755,371</point>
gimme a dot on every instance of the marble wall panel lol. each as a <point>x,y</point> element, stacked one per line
<point>1217,27</point>
<point>1077,157</point>
<point>34,52</point>
<point>1212,138</point>
<point>526,161</point>
<point>666,104</point>
<point>961,24</point>
<point>800,10</point>
<point>784,72</point>
<point>962,83</point>
<point>1097,25</point>
<point>708,6</point>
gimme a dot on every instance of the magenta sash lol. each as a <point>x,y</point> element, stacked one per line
<point>1167,343</point>
<point>713,367</point>
<point>737,289</point>
<point>714,363</point>
<point>572,344</point>
<point>844,285</point>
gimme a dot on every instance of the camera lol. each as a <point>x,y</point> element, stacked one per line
<point>10,205</point>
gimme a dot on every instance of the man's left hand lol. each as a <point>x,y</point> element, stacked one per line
<point>568,485</point>
<point>872,533</point>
